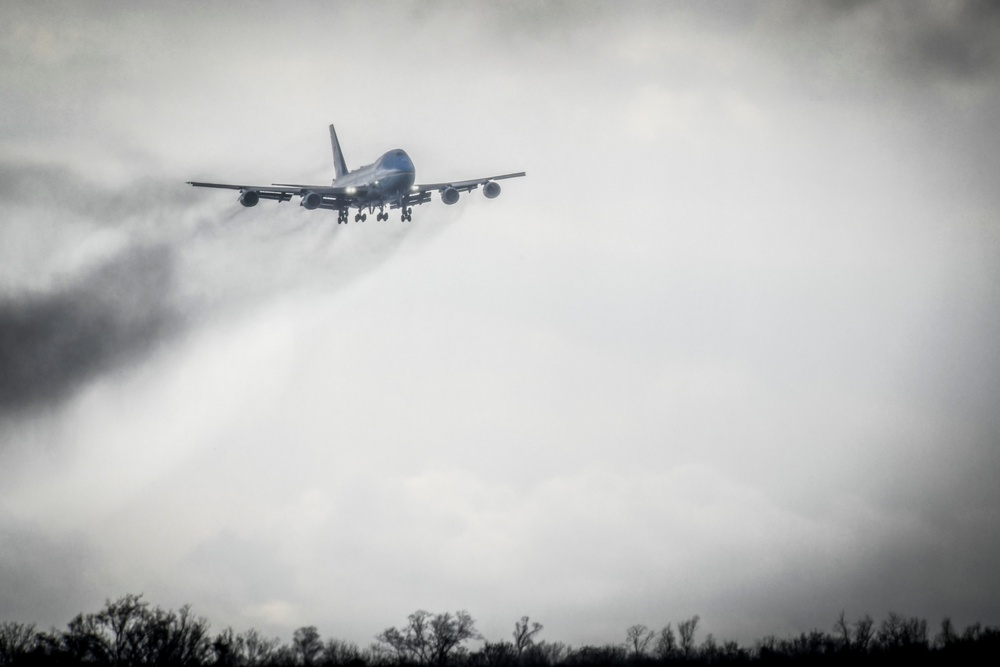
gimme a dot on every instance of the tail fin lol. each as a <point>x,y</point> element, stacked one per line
<point>339,166</point>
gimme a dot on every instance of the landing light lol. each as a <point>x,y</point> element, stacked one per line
<point>413,188</point>
<point>351,191</point>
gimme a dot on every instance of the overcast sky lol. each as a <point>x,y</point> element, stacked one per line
<point>730,349</point>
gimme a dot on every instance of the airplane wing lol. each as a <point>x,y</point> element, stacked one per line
<point>314,196</point>
<point>421,192</point>
<point>342,197</point>
<point>463,186</point>
<point>263,191</point>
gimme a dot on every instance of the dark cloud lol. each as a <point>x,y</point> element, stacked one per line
<point>53,342</point>
<point>923,39</point>
<point>964,42</point>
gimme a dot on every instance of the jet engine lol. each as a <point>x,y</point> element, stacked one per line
<point>491,189</point>
<point>449,195</point>
<point>250,198</point>
<point>311,200</point>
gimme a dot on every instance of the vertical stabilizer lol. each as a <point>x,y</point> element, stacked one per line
<point>339,166</point>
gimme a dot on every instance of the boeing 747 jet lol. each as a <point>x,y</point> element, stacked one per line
<point>387,182</point>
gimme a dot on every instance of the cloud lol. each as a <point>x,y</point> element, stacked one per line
<point>40,573</point>
<point>51,343</point>
<point>942,39</point>
<point>919,42</point>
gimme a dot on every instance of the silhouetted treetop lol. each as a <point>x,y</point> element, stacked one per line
<point>129,632</point>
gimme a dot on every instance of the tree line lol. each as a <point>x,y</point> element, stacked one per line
<point>129,632</point>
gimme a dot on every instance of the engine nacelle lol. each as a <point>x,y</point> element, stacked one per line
<point>249,198</point>
<point>491,189</point>
<point>311,201</point>
<point>449,195</point>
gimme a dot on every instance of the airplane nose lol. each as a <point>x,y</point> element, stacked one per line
<point>404,161</point>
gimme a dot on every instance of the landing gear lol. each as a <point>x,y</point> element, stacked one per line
<point>361,216</point>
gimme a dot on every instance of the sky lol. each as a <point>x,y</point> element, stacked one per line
<point>729,349</point>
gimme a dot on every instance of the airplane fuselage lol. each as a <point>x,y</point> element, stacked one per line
<point>389,178</point>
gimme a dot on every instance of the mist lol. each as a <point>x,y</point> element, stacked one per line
<point>727,350</point>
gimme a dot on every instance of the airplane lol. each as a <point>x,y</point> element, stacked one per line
<point>389,181</point>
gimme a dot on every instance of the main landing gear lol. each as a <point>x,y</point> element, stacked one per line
<point>360,216</point>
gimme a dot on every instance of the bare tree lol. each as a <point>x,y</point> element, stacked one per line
<point>16,641</point>
<point>128,632</point>
<point>259,649</point>
<point>497,654</point>
<point>732,652</point>
<point>337,652</point>
<point>637,640</point>
<point>666,643</point>
<point>430,639</point>
<point>228,649</point>
<point>948,634</point>
<point>609,655</point>
<point>842,629</point>
<point>890,632</point>
<point>171,638</point>
<point>123,619</point>
<point>897,631</point>
<point>686,630</point>
<point>113,636</point>
<point>449,632</point>
<point>524,634</point>
<point>710,650</point>
<point>396,643</point>
<point>307,644</point>
<point>552,653</point>
<point>864,631</point>
<point>973,633</point>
